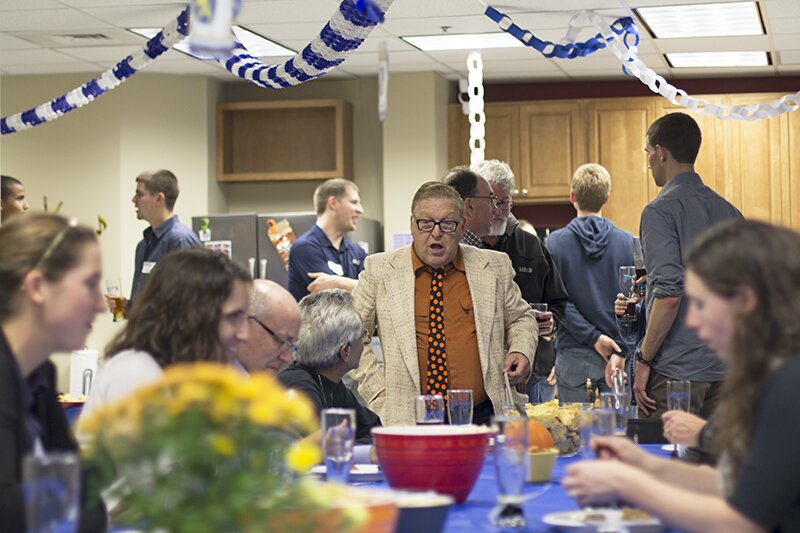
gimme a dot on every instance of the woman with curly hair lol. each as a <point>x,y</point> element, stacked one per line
<point>743,284</point>
<point>193,308</point>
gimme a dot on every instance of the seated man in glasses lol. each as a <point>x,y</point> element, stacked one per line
<point>330,345</point>
<point>449,316</point>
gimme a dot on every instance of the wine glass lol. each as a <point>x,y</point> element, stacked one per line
<point>679,397</point>
<point>510,454</point>
<point>627,286</point>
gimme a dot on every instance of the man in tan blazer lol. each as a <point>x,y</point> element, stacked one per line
<point>488,329</point>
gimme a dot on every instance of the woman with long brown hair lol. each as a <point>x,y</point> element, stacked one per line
<point>49,296</point>
<point>193,308</point>
<point>743,283</point>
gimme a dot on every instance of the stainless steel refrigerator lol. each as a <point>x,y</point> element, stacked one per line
<point>244,237</point>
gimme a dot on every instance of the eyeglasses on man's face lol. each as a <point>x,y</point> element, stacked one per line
<point>426,225</point>
<point>492,199</point>
<point>505,203</point>
<point>284,344</point>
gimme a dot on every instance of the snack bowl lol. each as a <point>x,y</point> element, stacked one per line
<point>540,465</point>
<point>444,459</point>
<point>422,512</point>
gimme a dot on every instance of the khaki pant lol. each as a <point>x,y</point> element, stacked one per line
<point>705,395</point>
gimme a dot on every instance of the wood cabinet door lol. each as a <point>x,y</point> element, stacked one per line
<point>710,164</point>
<point>502,134</point>
<point>755,155</point>
<point>551,147</point>
<point>617,130</point>
<point>792,162</point>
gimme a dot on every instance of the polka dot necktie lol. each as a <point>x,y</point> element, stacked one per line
<point>436,382</point>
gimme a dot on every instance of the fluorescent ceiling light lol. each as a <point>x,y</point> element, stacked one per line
<point>255,44</point>
<point>462,41</point>
<point>718,59</point>
<point>703,20</point>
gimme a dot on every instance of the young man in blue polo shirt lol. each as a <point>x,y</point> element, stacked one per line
<point>322,258</point>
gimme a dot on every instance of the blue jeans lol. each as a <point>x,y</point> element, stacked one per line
<point>573,367</point>
<point>538,390</point>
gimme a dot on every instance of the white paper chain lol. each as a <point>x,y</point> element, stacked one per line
<point>657,84</point>
<point>477,118</point>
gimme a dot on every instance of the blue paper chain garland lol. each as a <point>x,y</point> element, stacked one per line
<point>171,34</point>
<point>352,22</point>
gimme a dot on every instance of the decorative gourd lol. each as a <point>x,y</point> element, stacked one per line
<point>539,437</point>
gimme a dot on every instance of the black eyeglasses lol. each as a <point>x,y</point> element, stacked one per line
<point>492,199</point>
<point>505,203</point>
<point>283,342</point>
<point>427,225</point>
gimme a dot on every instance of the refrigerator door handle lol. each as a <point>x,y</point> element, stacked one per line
<point>251,262</point>
<point>263,269</point>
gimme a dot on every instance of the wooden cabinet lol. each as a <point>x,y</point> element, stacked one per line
<point>551,148</point>
<point>286,140</point>
<point>755,165</point>
<point>543,142</point>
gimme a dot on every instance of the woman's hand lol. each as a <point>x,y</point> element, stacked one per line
<point>681,427</point>
<point>598,482</point>
<point>623,450</point>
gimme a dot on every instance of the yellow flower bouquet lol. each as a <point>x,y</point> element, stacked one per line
<point>207,449</point>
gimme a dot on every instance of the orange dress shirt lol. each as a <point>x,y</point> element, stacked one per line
<point>463,359</point>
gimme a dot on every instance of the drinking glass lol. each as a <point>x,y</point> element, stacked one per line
<point>429,409</point>
<point>538,309</point>
<point>679,396</point>
<point>51,487</point>
<point>638,261</point>
<point>338,436</point>
<point>617,402</point>
<point>510,460</point>
<point>114,291</point>
<point>627,286</point>
<point>459,406</point>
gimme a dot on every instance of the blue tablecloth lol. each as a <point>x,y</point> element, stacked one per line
<point>473,515</point>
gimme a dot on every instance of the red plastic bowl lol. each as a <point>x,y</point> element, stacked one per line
<point>446,459</point>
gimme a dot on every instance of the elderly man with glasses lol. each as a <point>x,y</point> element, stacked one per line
<point>274,327</point>
<point>449,316</point>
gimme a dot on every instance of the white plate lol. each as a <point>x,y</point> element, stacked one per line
<point>358,473</point>
<point>577,521</point>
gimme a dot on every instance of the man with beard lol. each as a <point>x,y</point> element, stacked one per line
<point>535,273</point>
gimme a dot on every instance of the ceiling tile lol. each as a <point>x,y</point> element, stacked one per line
<point>10,42</point>
<point>780,26</point>
<point>37,56</point>
<point>47,19</point>
<point>9,5</point>
<point>782,8</point>
<point>100,54</point>
<point>789,57</point>
<point>136,16</point>
<point>52,68</point>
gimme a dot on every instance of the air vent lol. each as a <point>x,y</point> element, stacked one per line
<point>88,38</point>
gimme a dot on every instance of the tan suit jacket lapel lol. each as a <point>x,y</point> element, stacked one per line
<point>400,283</point>
<point>482,288</point>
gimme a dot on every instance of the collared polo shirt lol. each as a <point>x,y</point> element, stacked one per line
<point>169,236</point>
<point>314,252</point>
<point>461,337</point>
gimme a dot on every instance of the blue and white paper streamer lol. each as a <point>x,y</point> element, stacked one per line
<point>171,34</point>
<point>352,22</point>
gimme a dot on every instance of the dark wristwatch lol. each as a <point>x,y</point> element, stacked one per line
<point>641,359</point>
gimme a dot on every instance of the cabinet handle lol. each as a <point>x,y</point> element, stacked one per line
<point>524,192</point>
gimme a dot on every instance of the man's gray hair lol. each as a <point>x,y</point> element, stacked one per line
<point>328,321</point>
<point>496,172</point>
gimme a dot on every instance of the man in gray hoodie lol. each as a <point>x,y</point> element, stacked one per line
<point>588,254</point>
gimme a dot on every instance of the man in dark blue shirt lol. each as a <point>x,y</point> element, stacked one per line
<point>156,193</point>
<point>322,258</point>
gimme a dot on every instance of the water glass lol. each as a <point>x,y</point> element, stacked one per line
<point>51,488</point>
<point>679,398</point>
<point>511,456</point>
<point>459,406</point>
<point>338,436</point>
<point>627,286</point>
<point>429,409</point>
<point>617,402</point>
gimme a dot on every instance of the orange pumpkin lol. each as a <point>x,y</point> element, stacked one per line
<point>539,437</point>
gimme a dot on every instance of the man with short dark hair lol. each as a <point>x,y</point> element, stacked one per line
<point>12,198</point>
<point>684,209</point>
<point>156,193</point>
<point>480,203</point>
<point>449,316</point>
<point>322,258</point>
<point>588,253</point>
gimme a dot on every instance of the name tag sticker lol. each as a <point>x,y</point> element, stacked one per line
<point>526,270</point>
<point>147,266</point>
<point>336,268</point>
